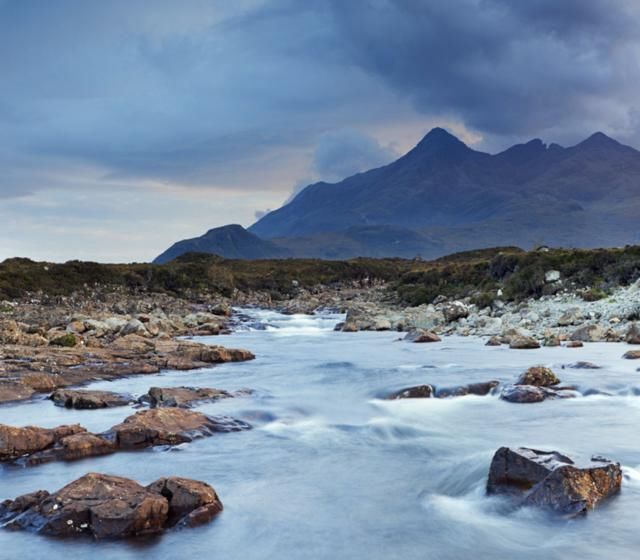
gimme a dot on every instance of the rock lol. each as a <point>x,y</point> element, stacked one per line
<point>134,326</point>
<point>524,394</point>
<point>524,343</point>
<point>552,341</point>
<point>169,426</point>
<point>538,376</point>
<point>632,355</point>
<point>70,448</point>
<point>480,389</point>
<point>574,344</point>
<point>182,396</point>
<point>570,317</point>
<point>551,480</point>
<point>191,502</point>
<point>454,310</point>
<point>633,334</point>
<point>421,335</point>
<point>105,506</point>
<point>86,399</point>
<point>589,333</point>
<point>494,341</point>
<point>583,365</point>
<point>19,442</point>
<point>418,392</point>
<point>551,276</point>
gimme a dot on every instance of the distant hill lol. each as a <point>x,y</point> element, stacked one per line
<point>443,197</point>
<point>233,242</point>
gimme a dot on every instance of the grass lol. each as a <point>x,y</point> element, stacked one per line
<point>475,274</point>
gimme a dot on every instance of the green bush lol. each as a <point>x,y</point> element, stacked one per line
<point>66,340</point>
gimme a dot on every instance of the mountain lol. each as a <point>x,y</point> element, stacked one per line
<point>231,241</point>
<point>443,196</point>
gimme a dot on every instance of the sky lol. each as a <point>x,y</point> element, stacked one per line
<point>126,125</point>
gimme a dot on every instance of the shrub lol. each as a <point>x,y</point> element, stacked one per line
<point>66,340</point>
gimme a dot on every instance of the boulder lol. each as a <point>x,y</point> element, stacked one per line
<point>73,447</point>
<point>553,481</point>
<point>421,335</point>
<point>583,365</point>
<point>538,376</point>
<point>104,506</point>
<point>551,276</point>
<point>571,317</point>
<point>454,310</point>
<point>191,502</point>
<point>494,341</point>
<point>632,355</point>
<point>19,442</point>
<point>134,326</point>
<point>524,343</point>
<point>552,341</point>
<point>182,396</point>
<point>418,392</point>
<point>169,426</point>
<point>87,399</point>
<point>574,344</point>
<point>633,334</point>
<point>524,394</point>
<point>589,333</point>
<point>480,389</point>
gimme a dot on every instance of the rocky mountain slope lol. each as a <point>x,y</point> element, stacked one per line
<point>443,197</point>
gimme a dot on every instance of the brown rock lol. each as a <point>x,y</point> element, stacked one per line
<point>523,343</point>
<point>632,355</point>
<point>169,426</point>
<point>574,344</point>
<point>538,376</point>
<point>70,448</point>
<point>419,392</point>
<point>191,502</point>
<point>19,442</point>
<point>86,399</point>
<point>494,341</point>
<point>422,335</point>
<point>633,334</point>
<point>182,396</point>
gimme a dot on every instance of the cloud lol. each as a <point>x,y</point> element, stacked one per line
<point>231,103</point>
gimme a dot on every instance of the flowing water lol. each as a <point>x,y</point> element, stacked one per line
<point>331,471</point>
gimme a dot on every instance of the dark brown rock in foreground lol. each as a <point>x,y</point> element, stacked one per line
<point>553,481</point>
<point>87,399</point>
<point>524,343</point>
<point>109,507</point>
<point>19,442</point>
<point>182,397</point>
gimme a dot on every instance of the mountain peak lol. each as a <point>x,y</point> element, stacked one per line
<point>440,144</point>
<point>440,136</point>
<point>599,139</point>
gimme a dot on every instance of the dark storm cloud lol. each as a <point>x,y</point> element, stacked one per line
<point>503,67</point>
<point>203,93</point>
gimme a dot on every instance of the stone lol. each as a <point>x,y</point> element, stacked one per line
<point>632,355</point>
<point>480,389</point>
<point>524,394</point>
<point>633,334</point>
<point>87,399</point>
<point>494,341</point>
<point>421,335</point>
<point>418,392</point>
<point>551,276</point>
<point>553,481</point>
<point>454,310</point>
<point>73,447</point>
<point>574,344</point>
<point>538,376</point>
<point>19,442</point>
<point>169,426</point>
<point>182,396</point>
<point>552,341</point>
<point>524,343</point>
<point>191,502</point>
<point>589,333</point>
<point>583,365</point>
<point>570,317</point>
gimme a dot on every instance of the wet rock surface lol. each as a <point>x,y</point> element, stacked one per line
<point>538,376</point>
<point>421,335</point>
<point>111,507</point>
<point>87,399</point>
<point>428,391</point>
<point>183,397</point>
<point>553,481</point>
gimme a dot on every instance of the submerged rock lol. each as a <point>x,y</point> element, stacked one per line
<point>584,365</point>
<point>428,391</point>
<point>182,397</point>
<point>538,376</point>
<point>86,399</point>
<point>551,480</point>
<point>574,344</point>
<point>104,506</point>
<point>421,335</point>
<point>524,394</point>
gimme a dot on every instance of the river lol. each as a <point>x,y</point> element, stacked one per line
<point>332,471</point>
